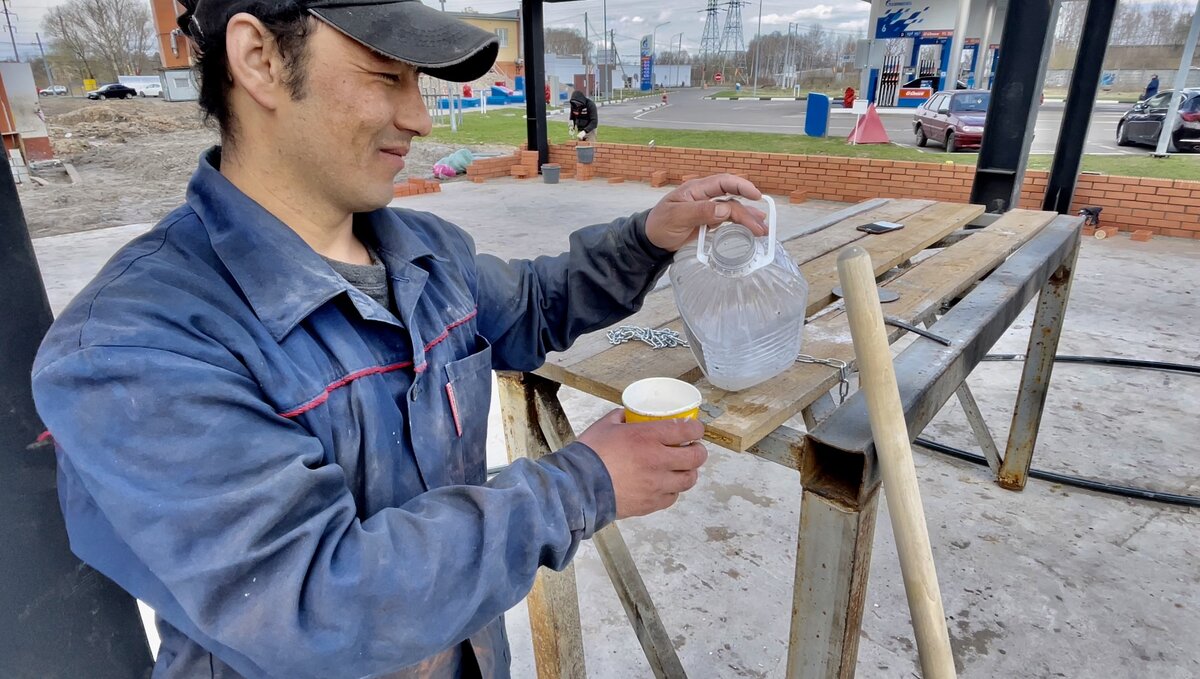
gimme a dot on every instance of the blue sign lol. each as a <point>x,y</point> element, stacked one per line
<point>647,73</point>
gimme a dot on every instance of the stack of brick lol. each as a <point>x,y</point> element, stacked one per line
<point>492,168</point>
<point>416,187</point>
<point>584,173</point>
<point>658,178</point>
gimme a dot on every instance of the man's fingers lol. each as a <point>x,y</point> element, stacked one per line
<point>675,432</point>
<point>722,185</point>
<point>749,217</point>
<point>615,416</point>
<point>682,458</point>
<point>680,482</point>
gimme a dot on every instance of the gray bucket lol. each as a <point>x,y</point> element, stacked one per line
<point>550,173</point>
<point>585,154</point>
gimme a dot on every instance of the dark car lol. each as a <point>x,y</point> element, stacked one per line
<point>1144,122</point>
<point>955,119</point>
<point>112,91</point>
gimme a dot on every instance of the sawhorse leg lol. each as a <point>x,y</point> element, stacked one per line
<point>553,602</point>
<point>833,558</point>
<point>1035,378</point>
<point>533,414</point>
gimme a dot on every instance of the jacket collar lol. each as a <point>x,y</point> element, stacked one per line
<point>283,278</point>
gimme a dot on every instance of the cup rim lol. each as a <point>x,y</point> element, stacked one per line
<point>694,401</point>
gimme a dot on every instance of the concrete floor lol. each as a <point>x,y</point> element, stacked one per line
<point>1051,582</point>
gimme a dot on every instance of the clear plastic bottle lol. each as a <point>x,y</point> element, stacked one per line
<point>742,300</point>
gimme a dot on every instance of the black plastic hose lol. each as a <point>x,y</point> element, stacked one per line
<point>1077,481</point>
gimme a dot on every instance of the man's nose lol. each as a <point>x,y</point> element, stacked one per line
<point>413,114</point>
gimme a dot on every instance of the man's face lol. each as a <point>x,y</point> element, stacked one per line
<point>349,131</point>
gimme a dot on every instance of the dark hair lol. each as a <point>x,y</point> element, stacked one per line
<point>289,26</point>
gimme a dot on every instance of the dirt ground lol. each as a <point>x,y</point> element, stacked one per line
<point>134,158</point>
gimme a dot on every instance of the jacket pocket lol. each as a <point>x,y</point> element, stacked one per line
<point>469,399</point>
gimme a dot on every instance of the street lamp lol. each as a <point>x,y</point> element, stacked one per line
<point>654,50</point>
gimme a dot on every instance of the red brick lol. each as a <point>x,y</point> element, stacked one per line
<point>1140,236</point>
<point>797,197</point>
<point>478,180</point>
<point>658,178</point>
<point>616,180</point>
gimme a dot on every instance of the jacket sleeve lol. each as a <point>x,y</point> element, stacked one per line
<point>528,308</point>
<point>593,117</point>
<point>179,481</point>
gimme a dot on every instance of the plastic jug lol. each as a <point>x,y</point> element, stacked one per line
<point>742,300</point>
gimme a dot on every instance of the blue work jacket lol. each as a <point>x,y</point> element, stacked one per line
<point>293,476</point>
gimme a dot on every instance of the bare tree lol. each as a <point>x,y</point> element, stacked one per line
<point>565,42</point>
<point>106,37</point>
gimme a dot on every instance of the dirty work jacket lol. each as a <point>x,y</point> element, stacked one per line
<point>292,476</point>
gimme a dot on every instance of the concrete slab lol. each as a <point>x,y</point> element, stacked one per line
<point>1051,582</point>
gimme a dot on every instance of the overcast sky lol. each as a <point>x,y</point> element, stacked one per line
<point>631,19</point>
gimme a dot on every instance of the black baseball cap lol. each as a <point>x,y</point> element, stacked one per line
<point>405,30</point>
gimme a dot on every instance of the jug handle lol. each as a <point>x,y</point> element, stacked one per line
<point>772,231</point>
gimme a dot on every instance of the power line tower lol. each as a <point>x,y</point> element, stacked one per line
<point>710,42</point>
<point>733,39</point>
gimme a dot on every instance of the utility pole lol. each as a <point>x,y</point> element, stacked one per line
<point>46,64</point>
<point>758,46</point>
<point>607,54</point>
<point>587,68</point>
<point>8,15</point>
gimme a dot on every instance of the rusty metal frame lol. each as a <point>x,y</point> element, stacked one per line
<point>836,461</point>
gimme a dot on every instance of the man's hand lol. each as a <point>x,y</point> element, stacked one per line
<point>582,135</point>
<point>674,221</point>
<point>647,461</point>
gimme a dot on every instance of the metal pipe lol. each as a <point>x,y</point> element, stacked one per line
<point>757,46</point>
<point>535,79</point>
<point>1081,97</point>
<point>984,48</point>
<point>58,617</point>
<point>957,41</point>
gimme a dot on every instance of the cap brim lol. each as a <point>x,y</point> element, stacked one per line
<point>437,44</point>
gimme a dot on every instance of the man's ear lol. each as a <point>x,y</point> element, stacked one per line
<point>255,64</point>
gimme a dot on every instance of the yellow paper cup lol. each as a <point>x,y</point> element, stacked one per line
<point>661,398</point>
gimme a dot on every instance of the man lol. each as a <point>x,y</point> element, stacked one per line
<point>584,119</point>
<point>1151,88</point>
<point>270,410</point>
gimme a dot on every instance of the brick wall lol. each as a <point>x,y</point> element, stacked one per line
<point>1163,206</point>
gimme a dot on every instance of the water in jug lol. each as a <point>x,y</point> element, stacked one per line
<point>742,300</point>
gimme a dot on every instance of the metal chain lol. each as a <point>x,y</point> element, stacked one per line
<point>843,372</point>
<point>656,339</point>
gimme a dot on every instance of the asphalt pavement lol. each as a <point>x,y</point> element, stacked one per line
<point>690,109</point>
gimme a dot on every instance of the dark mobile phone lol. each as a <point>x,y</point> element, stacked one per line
<point>880,227</point>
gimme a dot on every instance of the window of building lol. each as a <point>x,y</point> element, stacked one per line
<point>502,33</point>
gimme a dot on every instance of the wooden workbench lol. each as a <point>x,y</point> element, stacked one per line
<point>950,258</point>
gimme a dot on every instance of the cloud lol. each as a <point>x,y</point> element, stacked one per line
<point>854,25</point>
<point>821,12</point>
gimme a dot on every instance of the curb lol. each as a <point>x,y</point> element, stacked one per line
<point>649,108</point>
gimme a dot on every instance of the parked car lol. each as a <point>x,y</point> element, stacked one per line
<point>955,119</point>
<point>151,90</point>
<point>1143,123</point>
<point>53,90</point>
<point>112,91</point>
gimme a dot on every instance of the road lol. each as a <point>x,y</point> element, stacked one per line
<point>691,110</point>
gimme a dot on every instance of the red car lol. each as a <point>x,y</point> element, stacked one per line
<point>955,119</point>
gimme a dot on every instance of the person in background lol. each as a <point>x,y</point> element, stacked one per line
<point>1151,88</point>
<point>584,119</point>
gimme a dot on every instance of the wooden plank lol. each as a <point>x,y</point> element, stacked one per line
<point>740,419</point>
<point>553,602</point>
<point>659,307</point>
<point>622,571</point>
<point>890,249</point>
<point>610,369</point>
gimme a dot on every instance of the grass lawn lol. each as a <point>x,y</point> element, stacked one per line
<point>507,127</point>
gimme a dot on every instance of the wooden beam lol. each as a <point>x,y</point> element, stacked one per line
<point>553,602</point>
<point>622,571</point>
